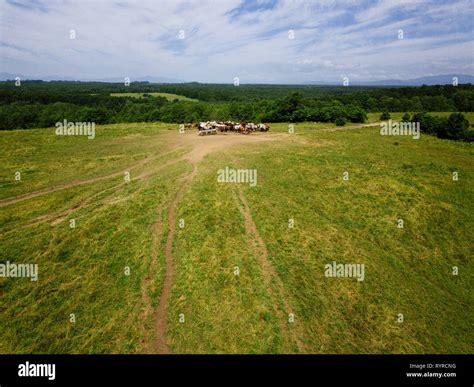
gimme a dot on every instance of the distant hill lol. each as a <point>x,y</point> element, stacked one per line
<point>446,79</point>
<point>148,78</point>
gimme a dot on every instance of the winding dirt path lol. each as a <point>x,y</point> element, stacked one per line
<point>161,312</point>
<point>157,230</point>
<point>218,142</point>
<point>339,128</point>
<point>201,147</point>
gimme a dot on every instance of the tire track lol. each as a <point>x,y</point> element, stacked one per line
<point>161,312</point>
<point>337,129</point>
<point>272,281</point>
<point>200,149</point>
<point>76,183</point>
<point>157,230</point>
<point>30,195</point>
<point>56,218</point>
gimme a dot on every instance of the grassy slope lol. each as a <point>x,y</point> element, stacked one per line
<point>407,271</point>
<point>81,271</point>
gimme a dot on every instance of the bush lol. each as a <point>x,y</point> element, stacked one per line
<point>340,121</point>
<point>385,116</point>
<point>355,114</point>
<point>406,117</point>
<point>455,128</point>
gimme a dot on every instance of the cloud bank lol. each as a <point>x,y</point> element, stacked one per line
<point>259,41</point>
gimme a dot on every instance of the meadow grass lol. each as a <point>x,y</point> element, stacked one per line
<point>408,271</point>
<point>300,177</point>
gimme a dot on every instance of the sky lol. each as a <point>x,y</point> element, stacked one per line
<point>258,41</point>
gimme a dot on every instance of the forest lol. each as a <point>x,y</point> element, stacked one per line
<point>42,104</point>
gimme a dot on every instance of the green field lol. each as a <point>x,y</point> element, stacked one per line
<point>184,237</point>
<point>168,96</point>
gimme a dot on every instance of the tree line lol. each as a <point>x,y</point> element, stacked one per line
<point>42,104</point>
<point>454,127</point>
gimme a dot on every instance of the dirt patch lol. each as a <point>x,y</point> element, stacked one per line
<point>336,129</point>
<point>204,145</point>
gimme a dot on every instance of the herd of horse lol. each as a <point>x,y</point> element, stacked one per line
<point>212,127</point>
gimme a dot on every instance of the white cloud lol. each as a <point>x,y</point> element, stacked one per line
<point>136,38</point>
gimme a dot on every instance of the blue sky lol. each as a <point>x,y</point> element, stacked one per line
<point>218,40</point>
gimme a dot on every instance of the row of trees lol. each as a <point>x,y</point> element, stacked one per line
<point>293,108</point>
<point>371,99</point>
<point>39,104</point>
<point>454,127</point>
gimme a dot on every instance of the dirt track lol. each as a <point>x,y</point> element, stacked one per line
<point>201,146</point>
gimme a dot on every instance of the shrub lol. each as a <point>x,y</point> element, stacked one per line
<point>455,128</point>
